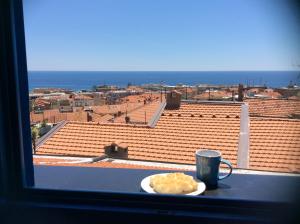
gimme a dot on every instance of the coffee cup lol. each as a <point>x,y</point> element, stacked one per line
<point>208,165</point>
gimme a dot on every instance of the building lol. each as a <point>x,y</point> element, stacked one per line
<point>82,100</point>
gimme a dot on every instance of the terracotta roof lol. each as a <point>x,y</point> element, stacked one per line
<point>113,109</point>
<point>184,90</point>
<point>141,97</point>
<point>57,98</point>
<point>40,101</point>
<point>294,97</point>
<point>273,107</point>
<point>50,161</point>
<point>102,164</point>
<point>98,118</point>
<point>275,144</point>
<point>256,90</point>
<point>268,93</point>
<point>213,95</point>
<point>271,93</point>
<point>54,116</point>
<point>141,114</point>
<point>175,138</point>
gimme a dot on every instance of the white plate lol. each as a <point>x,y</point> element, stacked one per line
<point>145,184</point>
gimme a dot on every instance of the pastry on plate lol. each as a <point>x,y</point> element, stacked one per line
<point>173,183</point>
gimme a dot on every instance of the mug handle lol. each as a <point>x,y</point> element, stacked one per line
<point>230,167</point>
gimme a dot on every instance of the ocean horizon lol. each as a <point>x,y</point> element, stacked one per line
<point>84,80</point>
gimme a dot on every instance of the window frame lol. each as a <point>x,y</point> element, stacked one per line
<point>16,162</point>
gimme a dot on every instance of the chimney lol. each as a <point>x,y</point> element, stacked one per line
<point>240,92</point>
<point>89,117</point>
<point>173,100</point>
<point>244,138</point>
<point>117,149</point>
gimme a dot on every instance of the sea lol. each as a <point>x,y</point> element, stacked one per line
<point>85,80</point>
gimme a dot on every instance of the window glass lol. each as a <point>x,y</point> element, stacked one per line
<point>120,90</point>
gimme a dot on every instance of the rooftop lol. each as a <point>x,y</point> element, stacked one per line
<point>54,116</point>
<point>67,161</point>
<point>275,144</point>
<point>140,115</point>
<point>273,107</point>
<point>140,98</point>
<point>217,94</point>
<point>179,133</point>
<point>113,109</point>
<point>174,139</point>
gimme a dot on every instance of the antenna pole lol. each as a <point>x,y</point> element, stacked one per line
<point>186,96</point>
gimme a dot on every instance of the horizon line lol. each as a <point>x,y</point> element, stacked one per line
<point>289,70</point>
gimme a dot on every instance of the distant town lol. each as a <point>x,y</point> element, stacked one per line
<point>69,127</point>
<point>111,103</point>
<point>52,105</point>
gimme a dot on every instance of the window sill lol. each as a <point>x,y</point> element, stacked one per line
<point>248,198</point>
<point>265,188</point>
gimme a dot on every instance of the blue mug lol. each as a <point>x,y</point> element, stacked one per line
<point>207,167</point>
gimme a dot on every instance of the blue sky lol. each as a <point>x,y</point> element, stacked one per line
<point>161,35</point>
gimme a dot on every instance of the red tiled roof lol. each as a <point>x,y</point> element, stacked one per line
<point>273,107</point>
<point>294,98</point>
<point>269,93</point>
<point>140,115</point>
<point>174,138</point>
<point>102,119</point>
<point>113,109</point>
<point>54,116</point>
<point>184,90</point>
<point>102,164</point>
<point>50,161</point>
<point>140,98</point>
<point>40,101</point>
<point>213,95</point>
<point>275,144</point>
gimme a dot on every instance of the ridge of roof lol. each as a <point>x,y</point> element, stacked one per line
<point>267,118</point>
<point>214,102</point>
<point>50,133</point>
<point>108,124</point>
<point>156,116</point>
<point>270,99</point>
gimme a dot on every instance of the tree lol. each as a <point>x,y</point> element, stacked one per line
<point>34,137</point>
<point>44,123</point>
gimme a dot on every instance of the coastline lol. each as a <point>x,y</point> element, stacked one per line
<point>78,80</point>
